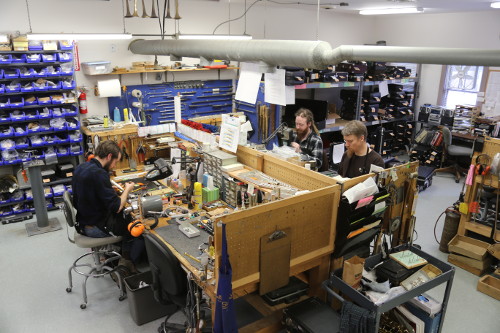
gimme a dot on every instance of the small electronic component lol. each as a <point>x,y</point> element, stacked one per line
<point>189,230</point>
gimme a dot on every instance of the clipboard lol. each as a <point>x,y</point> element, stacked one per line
<point>275,250</point>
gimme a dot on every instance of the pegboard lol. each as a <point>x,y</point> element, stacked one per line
<point>311,218</point>
<point>491,146</point>
<point>199,98</point>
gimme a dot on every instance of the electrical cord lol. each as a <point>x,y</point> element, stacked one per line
<point>217,27</point>
<point>435,225</point>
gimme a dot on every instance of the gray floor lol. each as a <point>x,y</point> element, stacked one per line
<point>33,278</point>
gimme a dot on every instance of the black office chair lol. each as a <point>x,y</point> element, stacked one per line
<point>453,152</point>
<point>169,279</point>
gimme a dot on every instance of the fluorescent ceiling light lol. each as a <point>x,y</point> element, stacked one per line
<point>407,10</point>
<point>495,5</point>
<point>64,36</point>
<point>212,37</point>
<point>4,39</point>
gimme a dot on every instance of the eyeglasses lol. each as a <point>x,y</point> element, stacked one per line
<point>349,141</point>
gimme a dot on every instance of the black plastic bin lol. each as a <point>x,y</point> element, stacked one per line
<point>143,306</point>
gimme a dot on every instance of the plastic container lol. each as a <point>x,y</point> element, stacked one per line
<point>65,45</point>
<point>62,151</point>
<point>31,114</point>
<point>68,84</point>
<point>42,72</point>
<point>33,58</point>
<point>62,138</point>
<point>65,57</point>
<point>45,113</point>
<point>20,130</point>
<point>18,58</point>
<point>11,73</point>
<point>6,131</point>
<point>28,87</point>
<point>57,86</point>
<point>44,101</point>
<point>16,101</point>
<point>2,88</point>
<point>30,100</point>
<point>22,143</point>
<point>97,67</point>
<point>4,103</point>
<point>65,71</point>
<point>28,74</point>
<point>49,57</point>
<point>71,111</point>
<point>143,307</point>
<point>5,58</point>
<point>56,72</point>
<point>17,115</point>
<point>9,88</point>
<point>4,118</point>
<point>40,87</point>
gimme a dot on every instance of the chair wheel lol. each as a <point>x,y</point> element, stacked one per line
<point>83,306</point>
<point>68,290</point>
<point>121,298</point>
<point>457,181</point>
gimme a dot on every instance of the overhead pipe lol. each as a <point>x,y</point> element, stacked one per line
<point>311,54</point>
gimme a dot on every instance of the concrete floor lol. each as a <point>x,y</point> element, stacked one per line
<point>33,280</point>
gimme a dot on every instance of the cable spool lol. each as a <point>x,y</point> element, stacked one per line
<point>450,229</point>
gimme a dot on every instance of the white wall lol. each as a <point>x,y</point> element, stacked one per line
<point>463,30</point>
<point>263,21</point>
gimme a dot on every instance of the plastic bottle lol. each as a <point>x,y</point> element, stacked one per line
<point>197,196</point>
<point>116,116</point>
<point>125,115</point>
<point>105,121</point>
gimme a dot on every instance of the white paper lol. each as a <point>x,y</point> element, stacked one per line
<point>290,95</point>
<point>338,152</point>
<point>375,168</point>
<point>379,206</point>
<point>274,87</point>
<point>361,190</point>
<point>177,109</point>
<point>248,83</point>
<point>229,133</point>
<point>383,88</point>
<point>176,168</point>
<point>109,88</point>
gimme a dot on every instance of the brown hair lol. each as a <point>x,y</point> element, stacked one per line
<point>306,113</point>
<point>356,128</point>
<point>107,147</point>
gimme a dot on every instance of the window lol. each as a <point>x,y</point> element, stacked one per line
<point>461,85</point>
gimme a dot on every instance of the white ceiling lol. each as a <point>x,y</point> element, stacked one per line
<point>430,6</point>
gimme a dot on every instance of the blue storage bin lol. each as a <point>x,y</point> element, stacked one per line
<point>18,209</point>
<point>62,151</point>
<point>57,86</point>
<point>72,124</point>
<point>24,157</point>
<point>48,192</point>
<point>17,196</point>
<point>50,140</point>
<point>58,190</point>
<point>2,88</point>
<point>61,138</point>
<point>22,143</point>
<point>28,194</point>
<point>13,88</point>
<point>4,103</point>
<point>37,141</point>
<point>58,112</point>
<point>75,150</point>
<point>33,58</point>
<point>61,128</point>
<point>27,74</point>
<point>69,188</point>
<point>45,127</point>
<point>31,114</point>
<point>5,118</point>
<point>29,207</point>
<point>35,45</point>
<point>49,57</point>
<point>41,72</point>
<point>45,113</point>
<point>49,204</point>
<point>16,101</point>
<point>37,155</point>
<point>57,101</point>
<point>68,84</point>
<point>4,198</point>
<point>56,72</point>
<point>38,87</point>
<point>6,131</point>
<point>5,58</point>
<point>44,102</point>
<point>5,211</point>
<point>33,129</point>
<point>6,144</point>
<point>1,73</point>
<point>28,87</point>
<point>11,73</point>
<point>20,131</point>
<point>75,137</point>
<point>71,111</point>
<point>65,45</point>
<point>30,101</point>
<point>10,162</point>
<point>65,57</point>
<point>66,71</point>
<point>18,58</point>
<point>17,115</point>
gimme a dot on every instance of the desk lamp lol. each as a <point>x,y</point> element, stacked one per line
<point>161,170</point>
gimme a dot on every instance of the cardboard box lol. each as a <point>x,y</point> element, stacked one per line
<point>489,285</point>
<point>468,247</point>
<point>479,264</point>
<point>20,43</point>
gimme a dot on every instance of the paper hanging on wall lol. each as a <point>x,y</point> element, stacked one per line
<point>109,88</point>
<point>383,88</point>
<point>177,109</point>
<point>248,83</point>
<point>274,87</point>
<point>229,133</point>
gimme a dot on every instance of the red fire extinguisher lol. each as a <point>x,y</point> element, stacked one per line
<point>82,100</point>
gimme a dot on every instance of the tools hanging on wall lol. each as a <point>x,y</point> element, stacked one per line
<point>166,10</point>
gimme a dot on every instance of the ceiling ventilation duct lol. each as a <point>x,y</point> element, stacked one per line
<point>311,54</point>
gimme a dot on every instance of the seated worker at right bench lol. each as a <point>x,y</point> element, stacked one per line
<point>358,156</point>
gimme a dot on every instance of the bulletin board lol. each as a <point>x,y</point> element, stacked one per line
<point>491,105</point>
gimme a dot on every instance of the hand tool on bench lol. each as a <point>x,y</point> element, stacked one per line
<point>128,14</point>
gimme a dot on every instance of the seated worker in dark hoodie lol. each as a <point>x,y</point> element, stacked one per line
<point>96,201</point>
<point>358,156</point>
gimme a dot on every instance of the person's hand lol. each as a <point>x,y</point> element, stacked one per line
<point>129,186</point>
<point>296,146</point>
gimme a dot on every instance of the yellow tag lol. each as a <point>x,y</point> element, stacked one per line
<point>463,208</point>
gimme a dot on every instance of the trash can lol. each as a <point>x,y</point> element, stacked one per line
<point>142,304</point>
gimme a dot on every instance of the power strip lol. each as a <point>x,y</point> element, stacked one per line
<point>189,230</point>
